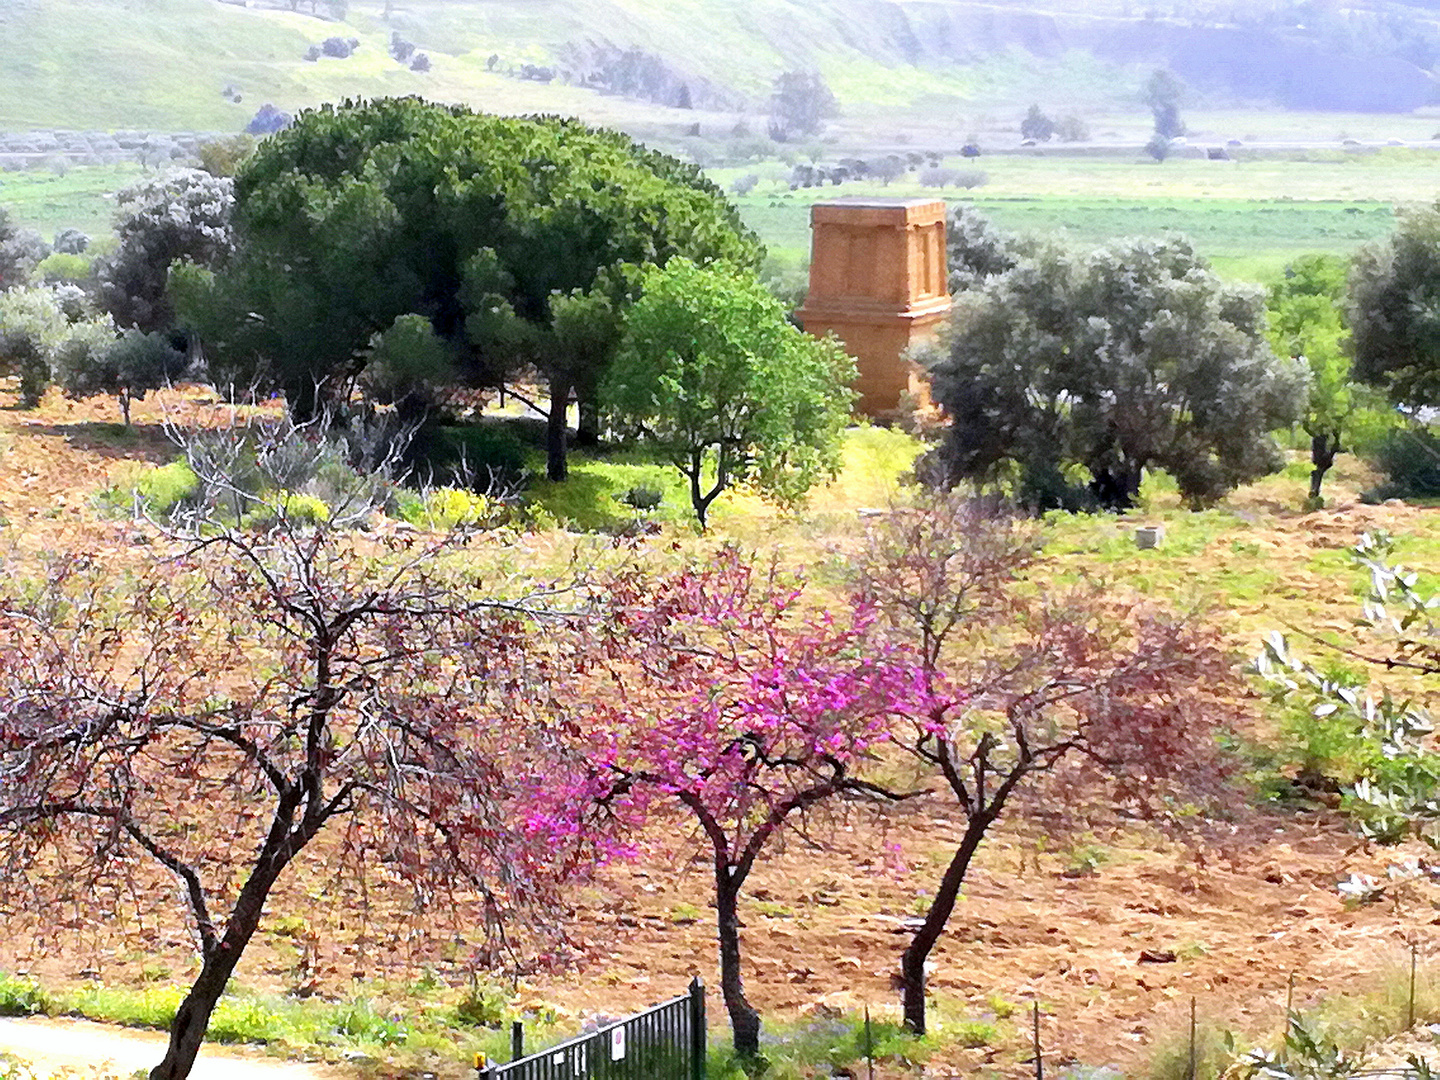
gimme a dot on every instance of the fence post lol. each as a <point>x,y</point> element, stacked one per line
<point>1190,1074</point>
<point>1039,1061</point>
<point>869,1045</point>
<point>1410,1006</point>
<point>697,1029</point>
<point>517,1040</point>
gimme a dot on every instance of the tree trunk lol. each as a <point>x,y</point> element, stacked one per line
<point>555,467</point>
<point>1322,455</point>
<point>125,406</point>
<point>744,1020</point>
<point>587,428</point>
<point>192,1019</point>
<point>912,963</point>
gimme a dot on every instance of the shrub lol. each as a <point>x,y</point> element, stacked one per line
<point>268,120</point>
<point>71,242</point>
<point>486,455</point>
<point>1410,460</point>
<point>60,267</point>
<point>449,508</point>
<point>286,507</point>
<point>21,997</point>
<point>643,497</point>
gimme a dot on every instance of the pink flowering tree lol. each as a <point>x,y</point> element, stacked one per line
<point>1062,697</point>
<point>741,705</point>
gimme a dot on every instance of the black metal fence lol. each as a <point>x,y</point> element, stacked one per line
<point>665,1042</point>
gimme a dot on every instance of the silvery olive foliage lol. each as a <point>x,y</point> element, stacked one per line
<point>182,216</point>
<point>1074,372</point>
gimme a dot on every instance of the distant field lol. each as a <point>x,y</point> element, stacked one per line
<point>81,198</point>
<point>1245,238</point>
<point>1249,218</point>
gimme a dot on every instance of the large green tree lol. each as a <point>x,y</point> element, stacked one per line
<point>1097,366</point>
<point>712,373</point>
<point>1395,310</point>
<point>361,214</point>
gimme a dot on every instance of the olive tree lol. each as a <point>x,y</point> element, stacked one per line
<point>1096,366</point>
<point>182,216</point>
<point>1394,310</point>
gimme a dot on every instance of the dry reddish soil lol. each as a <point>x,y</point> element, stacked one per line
<point>824,922</point>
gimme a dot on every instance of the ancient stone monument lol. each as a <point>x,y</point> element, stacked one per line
<point>878,280</point>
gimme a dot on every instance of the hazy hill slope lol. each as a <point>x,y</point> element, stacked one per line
<point>164,63</point>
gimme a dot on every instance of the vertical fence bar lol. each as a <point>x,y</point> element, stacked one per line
<point>1190,1073</point>
<point>517,1040</point>
<point>1039,1061</point>
<point>697,1029</point>
<point>1410,1003</point>
<point>869,1045</point>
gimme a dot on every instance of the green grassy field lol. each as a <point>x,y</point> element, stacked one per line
<point>81,198</point>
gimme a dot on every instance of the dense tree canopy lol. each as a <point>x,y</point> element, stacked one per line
<point>361,214</point>
<point>1095,367</point>
<point>1395,310</point>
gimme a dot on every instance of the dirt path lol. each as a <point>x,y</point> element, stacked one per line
<point>54,1047</point>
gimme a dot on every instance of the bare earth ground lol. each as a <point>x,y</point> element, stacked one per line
<point>824,927</point>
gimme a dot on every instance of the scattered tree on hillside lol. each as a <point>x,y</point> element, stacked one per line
<point>800,103</point>
<point>1065,699</point>
<point>365,692</point>
<point>735,705</point>
<point>1037,125</point>
<point>1160,146</point>
<point>1307,322</point>
<point>1394,310</point>
<point>359,214</point>
<point>1071,128</point>
<point>1132,356</point>
<point>713,375</point>
<point>183,216</point>
<point>1163,93</point>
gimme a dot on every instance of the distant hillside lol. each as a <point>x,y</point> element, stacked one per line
<point>180,64</point>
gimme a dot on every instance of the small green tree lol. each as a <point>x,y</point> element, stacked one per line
<point>128,367</point>
<point>20,251</point>
<point>37,326</point>
<point>713,374</point>
<point>1307,322</point>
